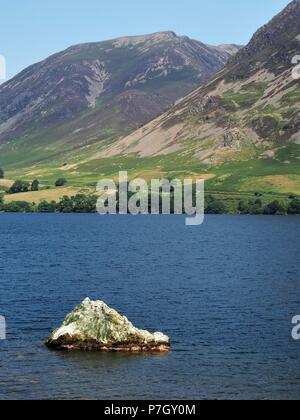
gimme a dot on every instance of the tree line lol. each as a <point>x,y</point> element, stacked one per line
<point>82,203</point>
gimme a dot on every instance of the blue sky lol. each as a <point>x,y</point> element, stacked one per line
<point>31,30</point>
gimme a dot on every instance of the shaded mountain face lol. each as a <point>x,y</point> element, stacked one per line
<point>251,109</point>
<point>99,91</point>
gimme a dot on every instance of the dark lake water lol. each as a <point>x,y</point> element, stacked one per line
<point>225,292</point>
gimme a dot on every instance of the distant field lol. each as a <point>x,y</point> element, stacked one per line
<point>6,183</point>
<point>276,183</point>
<point>48,195</point>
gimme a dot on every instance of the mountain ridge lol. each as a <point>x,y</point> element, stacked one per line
<point>95,91</point>
<point>234,103</point>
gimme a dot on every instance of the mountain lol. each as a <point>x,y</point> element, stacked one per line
<point>240,130</point>
<point>254,101</point>
<point>246,116</point>
<point>99,91</point>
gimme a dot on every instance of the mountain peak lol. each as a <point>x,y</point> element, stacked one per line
<point>155,37</point>
<point>272,38</point>
<point>104,89</point>
<point>165,34</point>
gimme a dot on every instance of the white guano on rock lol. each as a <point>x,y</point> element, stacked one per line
<point>94,326</point>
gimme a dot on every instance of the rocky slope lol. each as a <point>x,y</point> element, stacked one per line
<point>95,326</point>
<point>98,91</point>
<point>251,109</point>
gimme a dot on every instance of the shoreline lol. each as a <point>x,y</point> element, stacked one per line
<point>161,214</point>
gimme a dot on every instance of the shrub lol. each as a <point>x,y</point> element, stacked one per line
<point>216,207</point>
<point>60,182</point>
<point>65,205</point>
<point>294,207</point>
<point>35,185</point>
<point>84,203</point>
<point>275,207</point>
<point>244,207</point>
<point>19,187</point>
<point>81,203</point>
<point>1,201</point>
<point>45,207</point>
<point>19,207</point>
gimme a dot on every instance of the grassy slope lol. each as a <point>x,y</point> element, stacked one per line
<point>274,177</point>
<point>54,194</point>
<point>244,172</point>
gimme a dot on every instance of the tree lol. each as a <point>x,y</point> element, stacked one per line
<point>244,207</point>
<point>81,203</point>
<point>45,207</point>
<point>84,203</point>
<point>65,205</point>
<point>256,207</point>
<point>19,187</point>
<point>19,207</point>
<point>1,201</point>
<point>35,185</point>
<point>258,202</point>
<point>216,207</point>
<point>294,207</point>
<point>2,173</point>
<point>60,182</point>
<point>275,207</point>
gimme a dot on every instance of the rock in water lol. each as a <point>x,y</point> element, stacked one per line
<point>93,326</point>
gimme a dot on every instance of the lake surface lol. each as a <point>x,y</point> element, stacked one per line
<point>225,292</point>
